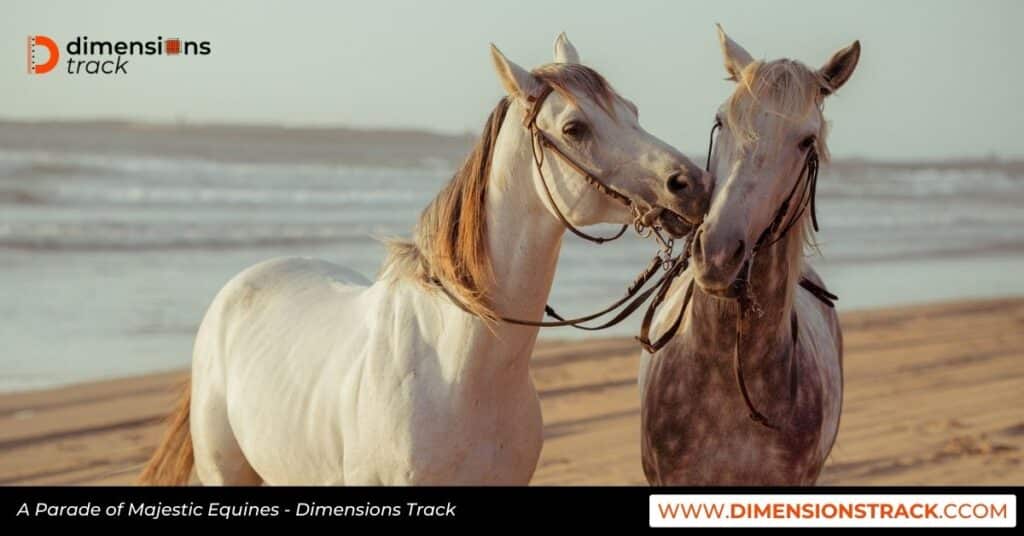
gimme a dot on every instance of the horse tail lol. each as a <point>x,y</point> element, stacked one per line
<point>171,464</point>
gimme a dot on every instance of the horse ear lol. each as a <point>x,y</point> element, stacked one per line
<point>840,67</point>
<point>736,57</point>
<point>564,51</point>
<point>518,83</point>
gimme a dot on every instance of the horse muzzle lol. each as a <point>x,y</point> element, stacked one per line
<point>720,271</point>
<point>691,197</point>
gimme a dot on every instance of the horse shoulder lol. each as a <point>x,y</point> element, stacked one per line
<point>819,323</point>
<point>821,340</point>
<point>399,379</point>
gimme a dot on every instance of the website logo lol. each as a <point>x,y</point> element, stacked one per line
<point>87,56</point>
<point>52,54</point>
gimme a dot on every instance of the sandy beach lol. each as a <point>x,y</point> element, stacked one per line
<point>933,396</point>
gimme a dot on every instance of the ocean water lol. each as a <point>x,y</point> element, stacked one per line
<point>107,263</point>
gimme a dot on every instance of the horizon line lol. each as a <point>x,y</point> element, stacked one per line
<point>439,133</point>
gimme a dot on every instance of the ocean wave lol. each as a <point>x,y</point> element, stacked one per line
<point>920,183</point>
<point>75,236</point>
<point>37,178</point>
<point>149,195</point>
<point>72,162</point>
<point>90,201</point>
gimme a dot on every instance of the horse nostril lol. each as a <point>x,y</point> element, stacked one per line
<point>737,256</point>
<point>678,182</point>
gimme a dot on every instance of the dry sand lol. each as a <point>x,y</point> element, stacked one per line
<point>934,395</point>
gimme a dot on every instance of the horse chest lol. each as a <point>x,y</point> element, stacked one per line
<point>697,429</point>
<point>465,442</point>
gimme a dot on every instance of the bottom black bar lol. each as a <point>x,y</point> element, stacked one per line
<point>537,508</point>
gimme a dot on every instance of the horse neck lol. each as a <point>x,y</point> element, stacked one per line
<point>773,279</point>
<point>523,241</point>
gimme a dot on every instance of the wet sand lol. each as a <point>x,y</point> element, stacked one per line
<point>934,395</point>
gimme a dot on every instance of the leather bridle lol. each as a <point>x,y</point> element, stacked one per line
<point>742,287</point>
<point>635,296</point>
<point>540,141</point>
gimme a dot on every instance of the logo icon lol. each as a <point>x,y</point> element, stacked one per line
<point>172,46</point>
<point>52,54</point>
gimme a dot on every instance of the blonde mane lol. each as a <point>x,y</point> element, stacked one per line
<point>786,88</point>
<point>790,90</point>
<point>450,241</point>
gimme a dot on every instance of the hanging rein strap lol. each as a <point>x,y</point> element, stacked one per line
<point>638,298</point>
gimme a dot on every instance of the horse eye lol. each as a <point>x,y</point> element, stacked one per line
<point>807,143</point>
<point>575,130</point>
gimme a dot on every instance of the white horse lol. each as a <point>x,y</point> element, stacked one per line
<point>306,373</point>
<point>750,390</point>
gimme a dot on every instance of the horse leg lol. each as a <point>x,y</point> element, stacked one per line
<point>219,460</point>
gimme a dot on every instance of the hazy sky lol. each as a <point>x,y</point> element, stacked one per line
<point>936,79</point>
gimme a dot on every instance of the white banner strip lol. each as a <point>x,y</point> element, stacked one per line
<point>825,510</point>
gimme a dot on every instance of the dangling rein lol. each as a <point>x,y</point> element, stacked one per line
<point>634,298</point>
